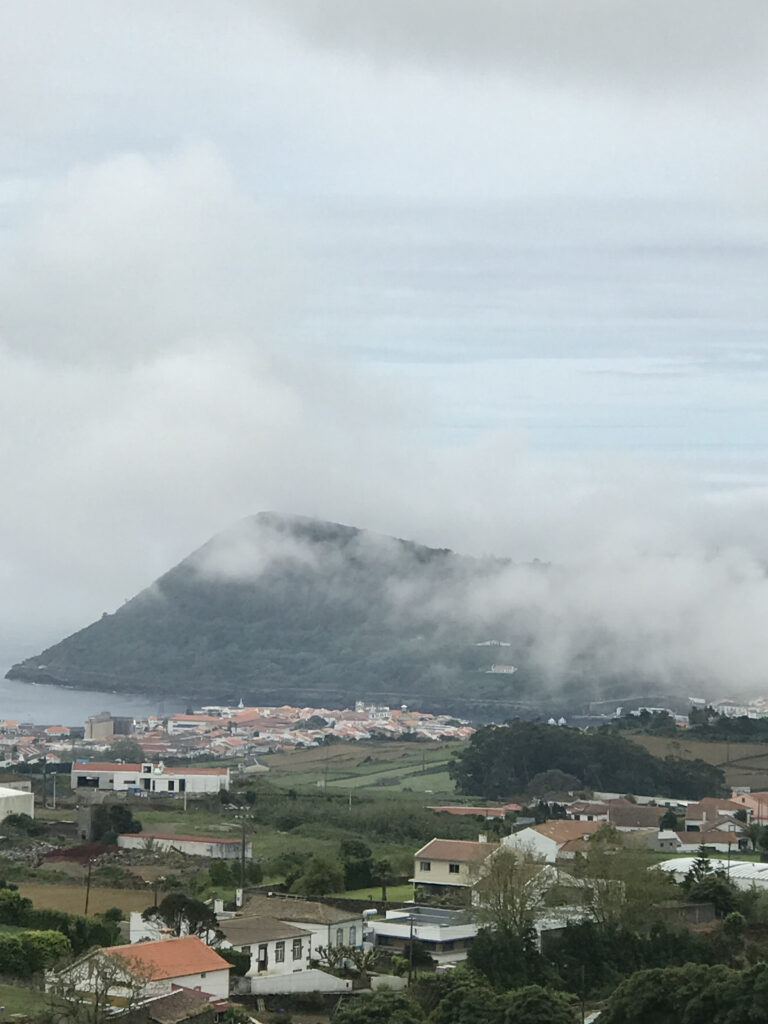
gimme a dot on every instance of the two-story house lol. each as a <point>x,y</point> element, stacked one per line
<point>448,868</point>
<point>280,956</point>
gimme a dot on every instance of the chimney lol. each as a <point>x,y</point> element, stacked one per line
<point>482,838</point>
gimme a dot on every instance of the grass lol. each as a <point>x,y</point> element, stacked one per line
<point>398,765</point>
<point>71,898</point>
<point>395,893</point>
<point>18,999</point>
<point>744,764</point>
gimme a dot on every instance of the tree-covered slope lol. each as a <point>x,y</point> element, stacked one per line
<point>286,609</point>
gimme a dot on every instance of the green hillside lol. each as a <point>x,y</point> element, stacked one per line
<point>286,609</point>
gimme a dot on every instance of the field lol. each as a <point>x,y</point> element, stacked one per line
<point>71,898</point>
<point>744,764</point>
<point>18,999</point>
<point>397,766</point>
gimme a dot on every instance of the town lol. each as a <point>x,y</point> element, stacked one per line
<point>235,863</point>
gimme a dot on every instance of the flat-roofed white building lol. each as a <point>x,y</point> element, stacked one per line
<point>218,847</point>
<point>14,801</point>
<point>147,778</point>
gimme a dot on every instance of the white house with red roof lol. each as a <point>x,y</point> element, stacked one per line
<point>147,777</point>
<point>158,967</point>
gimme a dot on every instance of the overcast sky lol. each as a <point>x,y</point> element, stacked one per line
<point>489,274</point>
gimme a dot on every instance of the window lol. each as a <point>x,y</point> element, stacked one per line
<point>453,869</point>
<point>339,936</point>
<point>352,935</point>
<point>245,949</point>
<point>297,949</point>
<point>203,974</point>
<point>279,952</point>
<point>171,785</point>
<point>425,865</point>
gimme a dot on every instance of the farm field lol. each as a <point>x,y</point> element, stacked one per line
<point>744,764</point>
<point>400,766</point>
<point>71,898</point>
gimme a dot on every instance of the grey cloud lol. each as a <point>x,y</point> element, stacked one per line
<point>615,43</point>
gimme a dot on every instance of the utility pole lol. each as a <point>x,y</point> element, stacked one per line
<point>54,791</point>
<point>242,858</point>
<point>88,888</point>
<point>410,951</point>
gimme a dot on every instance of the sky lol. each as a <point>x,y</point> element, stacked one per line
<point>488,275</point>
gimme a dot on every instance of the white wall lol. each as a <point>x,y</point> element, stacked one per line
<point>304,981</point>
<point>12,801</point>
<point>215,983</point>
<point>220,851</point>
<point>325,935</point>
<point>527,840</point>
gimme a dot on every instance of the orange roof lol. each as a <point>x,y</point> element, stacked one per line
<point>109,766</point>
<point>455,850</point>
<point>561,831</point>
<point>104,766</point>
<point>170,958</point>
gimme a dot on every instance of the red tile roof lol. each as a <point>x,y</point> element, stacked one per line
<point>455,850</point>
<point>170,958</point>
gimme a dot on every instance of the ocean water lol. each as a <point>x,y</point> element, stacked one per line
<point>55,705</point>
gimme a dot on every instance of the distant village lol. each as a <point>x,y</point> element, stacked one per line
<point>218,731</point>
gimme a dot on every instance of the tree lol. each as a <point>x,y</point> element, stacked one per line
<point>125,749</point>
<point>110,820</point>
<point>379,1008</point>
<point>358,863</point>
<point>364,961</point>
<point>322,875</point>
<point>621,885</point>
<point>183,915</point>
<point>669,821</point>
<point>693,994</point>
<point>382,873</point>
<point>754,833</point>
<point>702,884</point>
<point>536,1005</point>
<point>509,888</point>
<point>79,998</point>
<point>506,959</point>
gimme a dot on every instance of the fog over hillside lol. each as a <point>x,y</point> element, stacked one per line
<point>489,276</point>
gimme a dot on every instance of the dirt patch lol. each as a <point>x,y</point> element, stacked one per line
<point>71,898</point>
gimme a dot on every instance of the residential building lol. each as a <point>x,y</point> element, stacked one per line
<point>446,865</point>
<point>147,778</point>
<point>159,966</point>
<point>327,925</point>
<point>280,956</point>
<point>445,934</point>
<point>711,810</point>
<point>500,811</point>
<point>552,840</point>
<point>218,847</point>
<point>755,804</point>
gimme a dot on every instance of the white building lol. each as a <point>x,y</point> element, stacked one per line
<point>147,778</point>
<point>445,934</point>
<point>552,839</point>
<point>14,801</point>
<point>280,956</point>
<point>196,846</point>
<point>159,966</point>
<point>328,926</point>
